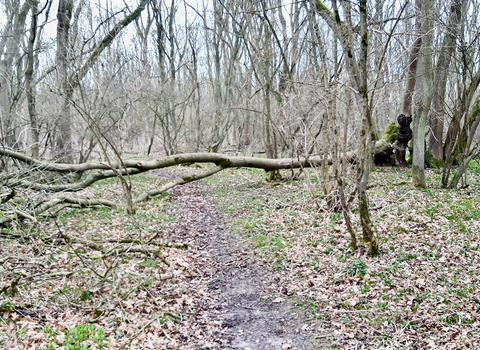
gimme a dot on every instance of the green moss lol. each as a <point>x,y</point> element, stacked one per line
<point>391,132</point>
<point>475,110</point>
<point>418,177</point>
<point>322,6</point>
<point>433,162</point>
<point>224,163</point>
<point>188,178</point>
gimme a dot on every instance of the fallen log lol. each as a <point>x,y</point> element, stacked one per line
<point>35,179</point>
<point>222,160</point>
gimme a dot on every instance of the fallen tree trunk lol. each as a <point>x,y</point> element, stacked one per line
<point>18,203</point>
<point>222,160</point>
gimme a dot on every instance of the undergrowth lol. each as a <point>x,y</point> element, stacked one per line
<point>422,289</point>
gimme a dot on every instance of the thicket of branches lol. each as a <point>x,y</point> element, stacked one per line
<point>302,79</point>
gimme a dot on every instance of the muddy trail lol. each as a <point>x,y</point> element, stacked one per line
<point>245,303</point>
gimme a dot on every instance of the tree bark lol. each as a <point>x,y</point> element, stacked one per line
<point>358,74</point>
<point>63,148</point>
<point>425,86</point>
<point>29,81</point>
<point>437,118</point>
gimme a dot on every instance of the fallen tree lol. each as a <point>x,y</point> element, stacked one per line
<point>19,202</point>
<point>137,166</point>
<point>26,177</point>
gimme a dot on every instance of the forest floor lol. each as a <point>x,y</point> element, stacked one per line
<point>239,262</point>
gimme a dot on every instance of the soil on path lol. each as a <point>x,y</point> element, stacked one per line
<point>242,286</point>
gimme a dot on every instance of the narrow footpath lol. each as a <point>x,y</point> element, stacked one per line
<point>239,283</point>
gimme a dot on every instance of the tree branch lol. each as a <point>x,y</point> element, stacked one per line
<point>104,43</point>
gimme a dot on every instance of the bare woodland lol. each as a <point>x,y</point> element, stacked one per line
<point>93,90</point>
<point>306,80</point>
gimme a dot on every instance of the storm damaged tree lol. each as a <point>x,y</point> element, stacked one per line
<point>16,188</point>
<point>404,135</point>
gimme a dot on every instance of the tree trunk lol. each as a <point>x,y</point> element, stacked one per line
<point>454,26</point>
<point>63,147</point>
<point>411,79</point>
<point>29,83</point>
<point>425,86</point>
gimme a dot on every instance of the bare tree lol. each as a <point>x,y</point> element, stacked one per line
<point>10,70</point>
<point>357,66</point>
<point>69,79</point>
<point>453,28</point>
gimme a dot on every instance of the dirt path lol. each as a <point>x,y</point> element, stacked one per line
<point>241,285</point>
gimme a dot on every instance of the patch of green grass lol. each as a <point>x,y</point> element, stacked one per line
<point>406,257</point>
<point>433,211</point>
<point>451,319</point>
<point>461,292</point>
<point>261,240</point>
<point>358,267</point>
<point>408,324</point>
<point>336,217</point>
<point>7,306</point>
<point>474,166</point>
<point>148,263</point>
<point>85,295</point>
<point>269,243</point>
<point>365,288</point>
<point>397,264</point>
<point>80,337</point>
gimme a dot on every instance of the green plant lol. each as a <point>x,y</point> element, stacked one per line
<point>359,267</point>
<point>474,166</point>
<point>85,295</point>
<point>77,338</point>
<point>7,306</point>
<point>365,288</point>
<point>452,319</point>
<point>148,263</point>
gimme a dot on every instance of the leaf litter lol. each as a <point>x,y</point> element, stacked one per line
<point>273,271</point>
